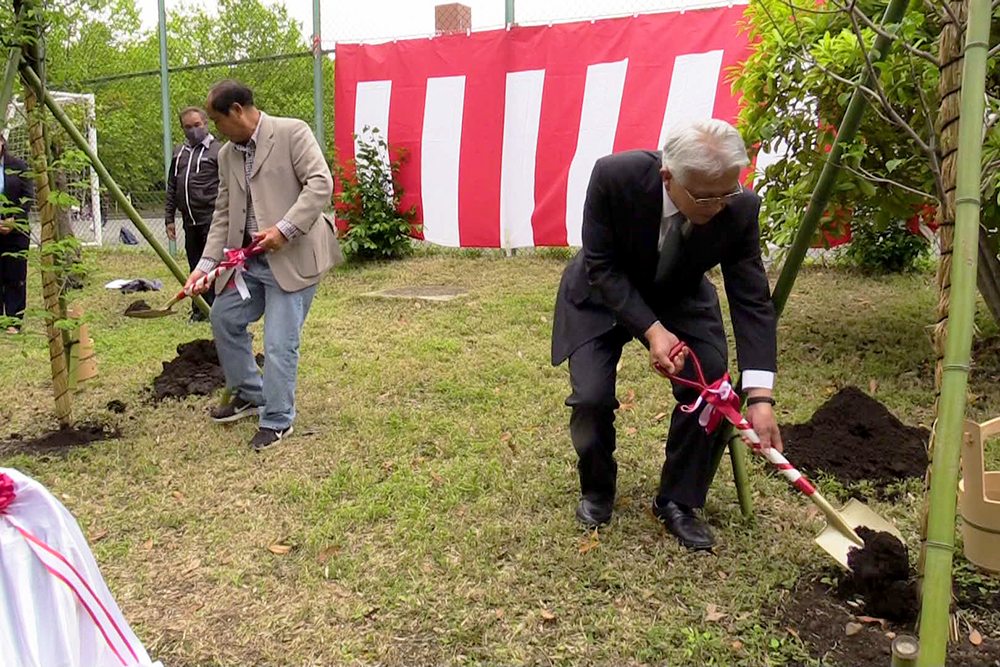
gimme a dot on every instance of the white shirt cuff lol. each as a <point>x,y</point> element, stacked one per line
<point>205,265</point>
<point>757,379</point>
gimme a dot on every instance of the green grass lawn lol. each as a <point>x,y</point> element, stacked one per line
<point>428,493</point>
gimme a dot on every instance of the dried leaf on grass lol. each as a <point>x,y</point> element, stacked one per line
<point>99,536</point>
<point>178,496</point>
<point>148,545</point>
<point>589,542</point>
<point>279,548</point>
<point>872,386</point>
<point>192,566</point>
<point>712,614</point>
<point>631,431</point>
<point>327,554</point>
<point>438,479</point>
<point>548,616</point>
<point>659,416</point>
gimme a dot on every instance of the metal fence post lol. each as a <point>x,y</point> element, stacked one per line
<point>168,143</point>
<point>509,12</point>
<point>318,75</point>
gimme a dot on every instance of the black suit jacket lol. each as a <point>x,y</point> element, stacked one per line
<point>611,280</point>
<point>20,192</point>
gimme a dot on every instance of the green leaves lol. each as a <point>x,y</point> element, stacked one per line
<point>370,198</point>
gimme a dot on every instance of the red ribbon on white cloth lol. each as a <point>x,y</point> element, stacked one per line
<point>24,622</point>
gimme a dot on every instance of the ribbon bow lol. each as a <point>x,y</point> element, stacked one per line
<point>720,400</point>
<point>7,493</point>
<point>236,259</point>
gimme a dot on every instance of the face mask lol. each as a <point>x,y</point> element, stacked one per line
<point>196,135</point>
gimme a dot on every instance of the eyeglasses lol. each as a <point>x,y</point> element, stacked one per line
<point>720,199</point>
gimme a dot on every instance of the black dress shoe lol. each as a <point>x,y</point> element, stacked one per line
<point>689,530</point>
<point>594,512</point>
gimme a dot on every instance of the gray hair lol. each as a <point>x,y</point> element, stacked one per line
<point>190,110</point>
<point>707,147</point>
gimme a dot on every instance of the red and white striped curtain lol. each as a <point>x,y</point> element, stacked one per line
<point>504,126</point>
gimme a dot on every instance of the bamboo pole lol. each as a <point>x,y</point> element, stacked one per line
<point>82,143</point>
<point>940,543</point>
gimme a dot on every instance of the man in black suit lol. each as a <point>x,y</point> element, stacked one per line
<point>653,224</point>
<point>16,187</point>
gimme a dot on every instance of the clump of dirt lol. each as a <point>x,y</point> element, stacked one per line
<point>116,406</point>
<point>880,573</point>
<point>854,437</point>
<point>137,306</point>
<point>194,372</point>
<point>61,441</point>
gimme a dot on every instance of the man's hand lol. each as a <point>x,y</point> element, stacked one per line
<point>270,239</point>
<point>190,286</point>
<point>761,417</point>
<point>171,231</point>
<point>661,343</point>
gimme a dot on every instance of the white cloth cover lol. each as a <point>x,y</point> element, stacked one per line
<point>55,609</point>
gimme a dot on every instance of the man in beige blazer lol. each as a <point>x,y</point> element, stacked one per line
<point>274,185</point>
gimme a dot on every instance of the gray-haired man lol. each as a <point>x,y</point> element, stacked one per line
<point>192,188</point>
<point>654,223</point>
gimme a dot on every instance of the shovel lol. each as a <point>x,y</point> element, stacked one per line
<point>840,534</point>
<point>232,260</point>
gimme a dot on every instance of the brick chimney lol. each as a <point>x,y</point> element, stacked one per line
<point>454,17</point>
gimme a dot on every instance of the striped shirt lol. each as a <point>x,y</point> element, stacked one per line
<point>249,150</point>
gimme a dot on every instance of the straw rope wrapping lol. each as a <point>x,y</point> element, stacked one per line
<point>50,282</point>
<point>950,56</point>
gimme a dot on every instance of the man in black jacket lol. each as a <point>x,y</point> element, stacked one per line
<point>653,224</point>
<point>192,187</point>
<point>17,189</point>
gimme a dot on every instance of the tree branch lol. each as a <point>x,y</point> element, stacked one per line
<point>932,135</point>
<point>809,10</point>
<point>873,76</point>
<point>864,173</point>
<point>903,43</point>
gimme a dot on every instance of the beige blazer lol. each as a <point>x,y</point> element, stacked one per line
<point>291,181</point>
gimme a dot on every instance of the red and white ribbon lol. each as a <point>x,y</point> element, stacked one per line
<point>722,402</point>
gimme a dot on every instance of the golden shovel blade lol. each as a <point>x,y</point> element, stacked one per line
<point>856,514</point>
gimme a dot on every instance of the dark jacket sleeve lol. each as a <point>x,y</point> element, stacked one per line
<point>171,207</point>
<point>603,264</point>
<point>749,295</point>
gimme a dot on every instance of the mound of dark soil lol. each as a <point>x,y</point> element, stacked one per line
<point>194,372</point>
<point>854,437</point>
<point>116,406</point>
<point>880,573</point>
<point>820,620</point>
<point>59,442</point>
<point>137,306</point>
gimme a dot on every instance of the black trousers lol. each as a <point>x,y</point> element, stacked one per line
<point>687,469</point>
<point>13,275</point>
<point>195,238</point>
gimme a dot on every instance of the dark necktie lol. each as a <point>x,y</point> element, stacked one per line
<point>670,250</point>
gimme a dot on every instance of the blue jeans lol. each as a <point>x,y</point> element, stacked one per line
<point>284,312</point>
